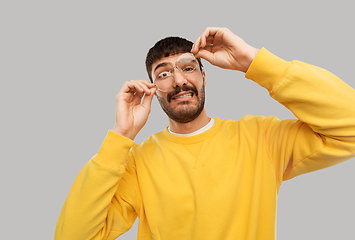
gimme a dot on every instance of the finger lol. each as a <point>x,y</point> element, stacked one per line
<point>145,82</point>
<point>144,87</point>
<point>206,54</point>
<point>147,86</point>
<point>138,97</point>
<point>208,33</point>
<point>133,89</point>
<point>206,38</point>
<point>137,86</point>
<point>196,46</point>
<point>200,43</point>
<point>210,40</point>
<point>147,100</point>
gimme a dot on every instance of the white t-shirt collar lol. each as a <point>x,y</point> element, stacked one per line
<point>201,130</point>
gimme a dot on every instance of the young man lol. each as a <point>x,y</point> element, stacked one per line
<point>208,178</point>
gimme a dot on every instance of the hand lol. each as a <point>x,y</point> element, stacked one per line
<point>131,111</point>
<point>224,49</point>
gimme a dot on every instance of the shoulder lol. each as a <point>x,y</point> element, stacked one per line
<point>249,125</point>
<point>248,120</point>
<point>150,143</point>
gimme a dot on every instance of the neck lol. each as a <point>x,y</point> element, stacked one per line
<point>184,128</point>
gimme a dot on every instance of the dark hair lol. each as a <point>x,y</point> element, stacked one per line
<point>167,47</point>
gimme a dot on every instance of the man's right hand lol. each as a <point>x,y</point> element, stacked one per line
<point>131,111</point>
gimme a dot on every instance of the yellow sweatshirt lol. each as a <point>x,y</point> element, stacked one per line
<point>222,183</point>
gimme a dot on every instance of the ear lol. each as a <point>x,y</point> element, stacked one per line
<point>204,77</point>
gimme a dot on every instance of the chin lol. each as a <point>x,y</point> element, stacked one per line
<point>185,112</point>
<point>186,118</point>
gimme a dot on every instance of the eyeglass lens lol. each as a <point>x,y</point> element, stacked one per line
<point>164,79</point>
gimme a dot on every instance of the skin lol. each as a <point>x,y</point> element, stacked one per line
<point>196,80</point>
<point>219,46</point>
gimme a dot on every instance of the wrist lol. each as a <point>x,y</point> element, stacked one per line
<point>121,132</point>
<point>114,151</point>
<point>249,58</point>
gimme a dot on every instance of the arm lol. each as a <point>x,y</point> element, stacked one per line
<point>324,133</point>
<point>104,200</point>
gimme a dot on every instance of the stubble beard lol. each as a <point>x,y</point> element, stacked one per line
<point>185,112</point>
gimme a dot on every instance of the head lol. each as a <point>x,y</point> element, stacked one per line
<point>189,107</point>
<point>167,47</point>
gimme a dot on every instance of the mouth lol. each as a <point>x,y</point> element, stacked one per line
<point>184,93</point>
<point>183,96</point>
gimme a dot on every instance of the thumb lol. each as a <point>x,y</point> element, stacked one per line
<point>147,100</point>
<point>205,54</point>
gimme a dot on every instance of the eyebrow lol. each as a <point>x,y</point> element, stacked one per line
<point>163,64</point>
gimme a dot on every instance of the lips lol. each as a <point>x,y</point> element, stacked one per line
<point>185,91</point>
<point>183,95</point>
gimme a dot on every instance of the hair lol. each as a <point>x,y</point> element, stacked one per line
<point>167,47</point>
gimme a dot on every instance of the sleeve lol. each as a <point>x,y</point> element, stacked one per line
<point>104,200</point>
<point>324,133</point>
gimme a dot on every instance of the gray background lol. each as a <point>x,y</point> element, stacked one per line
<point>63,62</point>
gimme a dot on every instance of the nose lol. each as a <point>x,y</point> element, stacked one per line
<point>179,78</point>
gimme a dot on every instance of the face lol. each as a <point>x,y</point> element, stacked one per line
<point>185,101</point>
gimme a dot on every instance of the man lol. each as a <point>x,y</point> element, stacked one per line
<point>202,177</point>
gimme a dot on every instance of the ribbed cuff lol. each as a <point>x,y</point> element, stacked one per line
<point>114,150</point>
<point>267,69</point>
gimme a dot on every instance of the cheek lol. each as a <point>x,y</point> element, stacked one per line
<point>161,99</point>
<point>199,81</point>
<point>159,95</point>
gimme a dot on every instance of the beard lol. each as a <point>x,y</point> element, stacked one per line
<point>185,112</point>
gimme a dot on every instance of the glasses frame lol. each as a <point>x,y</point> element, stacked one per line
<point>171,70</point>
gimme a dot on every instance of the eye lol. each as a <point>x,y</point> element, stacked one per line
<point>188,69</point>
<point>163,75</point>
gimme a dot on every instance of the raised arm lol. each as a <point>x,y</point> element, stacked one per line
<point>324,133</point>
<point>105,200</point>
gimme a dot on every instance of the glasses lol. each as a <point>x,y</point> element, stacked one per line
<point>164,78</point>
